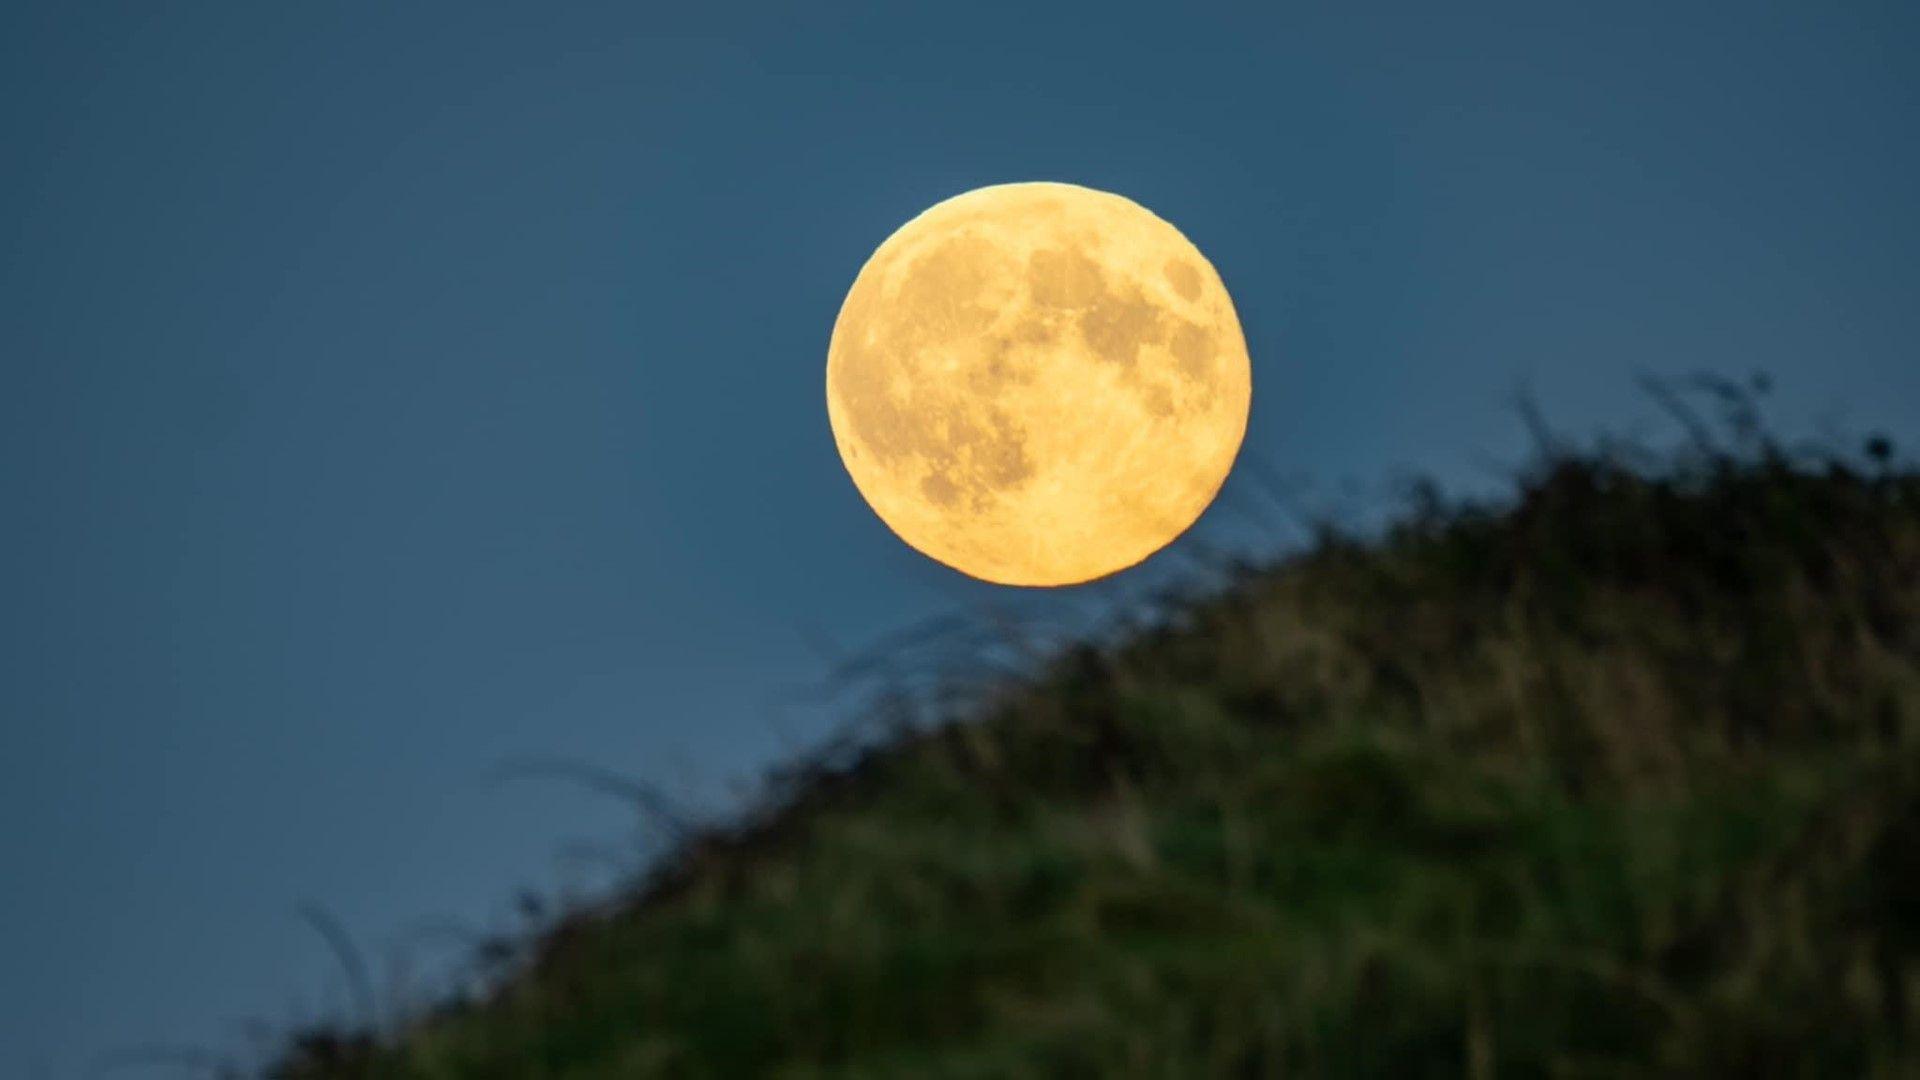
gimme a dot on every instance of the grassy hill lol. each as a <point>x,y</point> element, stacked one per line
<point>1620,778</point>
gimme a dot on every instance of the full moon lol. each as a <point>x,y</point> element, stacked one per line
<point>1038,384</point>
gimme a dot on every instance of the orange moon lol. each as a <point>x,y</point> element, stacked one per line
<point>1038,383</point>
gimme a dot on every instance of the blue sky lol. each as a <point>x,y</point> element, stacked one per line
<point>387,391</point>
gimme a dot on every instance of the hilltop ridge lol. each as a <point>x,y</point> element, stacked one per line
<point>1619,778</point>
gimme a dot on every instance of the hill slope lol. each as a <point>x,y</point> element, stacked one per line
<point>1623,779</point>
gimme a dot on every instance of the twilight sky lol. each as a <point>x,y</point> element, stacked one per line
<point>387,391</point>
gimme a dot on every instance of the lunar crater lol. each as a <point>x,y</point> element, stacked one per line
<point>1064,279</point>
<point>1184,279</point>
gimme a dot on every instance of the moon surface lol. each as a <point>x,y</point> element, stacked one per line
<point>1038,383</point>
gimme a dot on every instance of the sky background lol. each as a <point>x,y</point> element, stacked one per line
<point>388,391</point>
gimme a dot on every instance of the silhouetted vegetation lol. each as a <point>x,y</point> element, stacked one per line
<point>1620,777</point>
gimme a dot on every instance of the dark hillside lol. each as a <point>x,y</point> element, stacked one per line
<point>1622,778</point>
